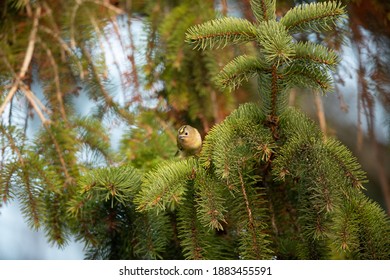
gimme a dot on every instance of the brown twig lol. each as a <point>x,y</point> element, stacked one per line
<point>251,221</point>
<point>33,101</point>
<point>26,61</point>
<point>320,114</point>
<point>30,96</point>
<point>64,47</point>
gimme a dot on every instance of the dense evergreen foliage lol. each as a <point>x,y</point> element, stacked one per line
<point>266,184</point>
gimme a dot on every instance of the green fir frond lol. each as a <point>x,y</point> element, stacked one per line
<point>152,234</point>
<point>242,140</point>
<point>27,175</point>
<point>112,184</point>
<point>12,140</point>
<point>105,230</point>
<point>374,229</point>
<point>54,217</point>
<point>305,146</point>
<point>33,178</point>
<point>173,35</point>
<point>264,82</point>
<point>220,32</point>
<point>307,75</point>
<point>315,53</point>
<point>299,134</point>
<point>32,206</point>
<point>17,4</point>
<point>276,43</point>
<point>316,17</point>
<point>165,186</point>
<point>316,194</point>
<point>362,229</point>
<point>240,69</point>
<point>345,236</point>
<point>273,93</point>
<point>7,175</point>
<point>210,200</point>
<point>193,236</point>
<point>239,144</point>
<point>103,214</point>
<point>250,216</point>
<point>263,10</point>
<point>244,125</point>
<point>325,176</point>
<point>349,166</point>
<point>91,133</point>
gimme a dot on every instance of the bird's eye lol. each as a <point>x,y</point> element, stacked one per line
<point>186,133</point>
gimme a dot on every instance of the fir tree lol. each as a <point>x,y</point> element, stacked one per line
<point>187,75</point>
<point>48,59</point>
<point>267,182</point>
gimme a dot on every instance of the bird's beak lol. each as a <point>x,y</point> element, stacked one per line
<point>181,137</point>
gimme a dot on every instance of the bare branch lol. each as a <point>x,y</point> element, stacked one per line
<point>33,101</point>
<point>320,114</point>
<point>107,5</point>
<point>64,46</point>
<point>26,61</point>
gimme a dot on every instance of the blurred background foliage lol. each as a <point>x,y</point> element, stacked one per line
<point>96,83</point>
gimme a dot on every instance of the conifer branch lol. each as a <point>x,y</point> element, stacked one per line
<point>251,223</point>
<point>210,201</point>
<point>75,9</point>
<point>266,183</point>
<point>165,186</point>
<point>276,42</point>
<point>346,229</point>
<point>152,235</point>
<point>134,72</point>
<point>358,233</point>
<point>114,185</point>
<point>33,100</point>
<point>348,164</point>
<point>31,44</point>
<point>12,144</point>
<point>263,10</point>
<point>30,203</point>
<point>8,171</point>
<point>30,96</point>
<point>303,74</point>
<point>274,92</point>
<point>190,232</point>
<point>91,133</point>
<point>308,51</point>
<point>55,228</point>
<point>314,16</point>
<point>240,69</point>
<point>26,61</point>
<point>11,169</point>
<point>220,32</point>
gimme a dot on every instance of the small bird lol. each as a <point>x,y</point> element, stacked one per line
<point>189,141</point>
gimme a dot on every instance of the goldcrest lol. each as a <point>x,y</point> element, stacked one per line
<point>189,141</point>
